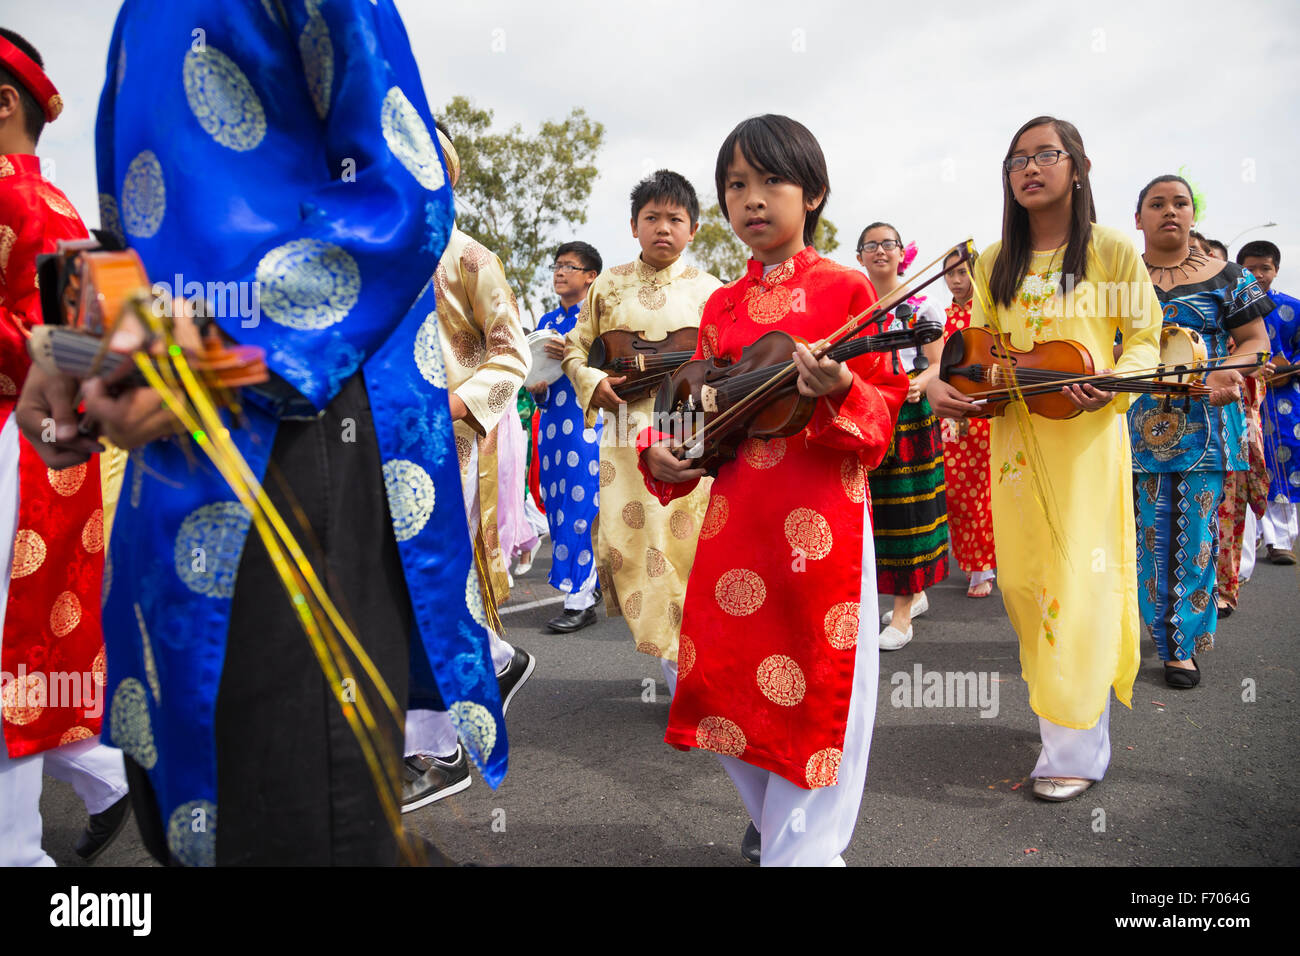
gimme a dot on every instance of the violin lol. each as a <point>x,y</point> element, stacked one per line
<point>644,361</point>
<point>87,291</point>
<point>701,392</point>
<point>711,406</point>
<point>980,366</point>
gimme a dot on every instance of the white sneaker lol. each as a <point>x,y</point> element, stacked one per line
<point>920,604</point>
<point>891,638</point>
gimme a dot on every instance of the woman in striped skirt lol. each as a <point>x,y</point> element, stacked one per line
<point>910,522</point>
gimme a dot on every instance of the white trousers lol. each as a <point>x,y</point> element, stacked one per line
<point>1278,526</point>
<point>430,732</point>
<point>536,520</point>
<point>1249,542</point>
<point>1075,753</point>
<point>813,827</point>
<point>585,596</point>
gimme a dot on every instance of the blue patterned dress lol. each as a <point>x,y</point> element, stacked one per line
<point>288,144</point>
<point>1282,408</point>
<point>1181,454</point>
<point>569,462</point>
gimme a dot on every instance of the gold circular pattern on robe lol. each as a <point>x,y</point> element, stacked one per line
<point>715,518</point>
<point>487,445</point>
<point>475,725</point>
<point>409,139</point>
<point>762,455</point>
<point>65,614</point>
<point>675,613</point>
<point>823,767</point>
<point>498,395</point>
<point>7,239</point>
<point>56,202</point>
<point>29,552</point>
<point>809,532</point>
<point>474,597</point>
<point>464,448</point>
<point>626,269</point>
<point>501,340</point>
<point>841,623</point>
<point>129,722</point>
<point>222,99</point>
<point>492,538</point>
<point>68,481</point>
<point>428,352</point>
<point>651,297</point>
<point>606,473</point>
<point>634,515</point>
<point>848,425</point>
<point>656,565</point>
<point>615,560</point>
<point>720,735</point>
<point>681,525</point>
<point>7,385</point>
<point>690,272</point>
<point>23,699</point>
<point>410,497</point>
<point>685,657</point>
<point>648,647</point>
<point>632,607</point>
<point>308,284</point>
<point>143,197</point>
<point>317,54</point>
<point>771,306</point>
<point>73,734</point>
<point>6,167</point>
<point>192,833</point>
<point>218,531</point>
<point>711,341</point>
<point>781,680</point>
<point>854,479</point>
<point>99,667</point>
<point>475,256</point>
<point>92,533</point>
<point>467,348</point>
<point>740,592</point>
<point>1200,600</point>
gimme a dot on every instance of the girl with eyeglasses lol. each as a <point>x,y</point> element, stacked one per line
<point>907,489</point>
<point>1062,490</point>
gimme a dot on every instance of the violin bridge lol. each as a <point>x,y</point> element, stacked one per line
<point>640,363</point>
<point>708,398</point>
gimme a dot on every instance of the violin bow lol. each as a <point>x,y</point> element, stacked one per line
<point>966,253</point>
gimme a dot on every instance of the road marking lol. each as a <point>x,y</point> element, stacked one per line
<point>513,608</point>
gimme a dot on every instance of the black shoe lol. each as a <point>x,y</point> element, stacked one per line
<point>573,620</point>
<point>427,779</point>
<point>751,844</point>
<point>1181,678</point>
<point>512,678</point>
<point>102,829</point>
<point>598,594</point>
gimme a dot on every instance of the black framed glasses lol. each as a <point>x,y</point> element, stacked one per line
<point>889,245</point>
<point>566,267</point>
<point>1048,157</point>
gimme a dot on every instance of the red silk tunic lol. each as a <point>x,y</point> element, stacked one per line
<point>770,625</point>
<point>53,649</point>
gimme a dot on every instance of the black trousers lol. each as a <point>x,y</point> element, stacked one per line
<point>293,787</point>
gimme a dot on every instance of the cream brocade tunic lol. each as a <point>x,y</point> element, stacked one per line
<point>644,550</point>
<point>487,358</point>
<point>1077,617</point>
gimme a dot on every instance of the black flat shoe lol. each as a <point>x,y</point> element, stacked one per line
<point>573,620</point>
<point>102,829</point>
<point>1225,610</point>
<point>1181,678</point>
<point>751,844</point>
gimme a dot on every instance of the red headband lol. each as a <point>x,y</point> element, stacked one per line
<point>33,77</point>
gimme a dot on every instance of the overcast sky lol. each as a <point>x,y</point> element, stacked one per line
<point>913,103</point>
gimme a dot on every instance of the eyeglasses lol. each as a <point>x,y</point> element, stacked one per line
<point>566,267</point>
<point>889,245</point>
<point>1048,157</point>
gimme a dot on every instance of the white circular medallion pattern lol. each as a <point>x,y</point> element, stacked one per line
<point>475,725</point>
<point>222,99</point>
<point>408,138</point>
<point>129,723</point>
<point>144,196</point>
<point>308,284</point>
<point>208,545</point>
<point>410,497</point>
<point>192,833</point>
<point>428,352</point>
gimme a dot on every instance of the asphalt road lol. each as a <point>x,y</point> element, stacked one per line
<point>1197,777</point>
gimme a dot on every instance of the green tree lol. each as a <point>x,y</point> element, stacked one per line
<point>718,250</point>
<point>520,195</point>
